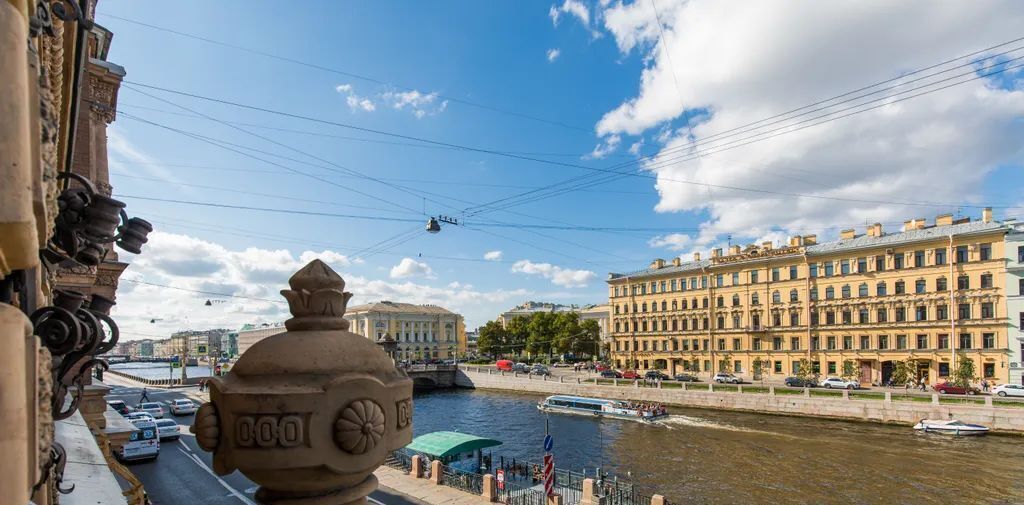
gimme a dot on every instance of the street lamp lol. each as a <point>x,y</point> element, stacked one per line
<point>389,344</point>
<point>434,223</point>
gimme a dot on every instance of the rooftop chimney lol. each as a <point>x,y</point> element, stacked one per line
<point>848,234</point>
<point>810,239</point>
<point>986,215</point>
<point>908,225</point>
<point>919,223</point>
<point>767,245</point>
<point>875,230</point>
<point>716,253</point>
<point>795,241</point>
<point>676,261</point>
<point>696,256</point>
<point>658,263</point>
<point>944,220</point>
<point>734,250</point>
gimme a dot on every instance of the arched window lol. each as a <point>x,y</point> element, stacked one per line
<point>664,305</point>
<point>880,289</point>
<point>793,296</point>
<point>684,303</point>
<point>830,293</point>
<point>675,325</point>
<point>776,296</point>
<point>720,302</point>
<point>705,304</point>
<point>654,306</point>
<point>675,305</point>
<point>814,293</point>
<point>862,290</point>
<point>754,299</point>
<point>846,291</point>
<point>616,309</point>
<point>644,307</point>
<point>735,300</point>
<point>634,308</point>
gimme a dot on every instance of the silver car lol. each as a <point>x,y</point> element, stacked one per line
<point>181,407</point>
<point>152,408</point>
<point>168,429</point>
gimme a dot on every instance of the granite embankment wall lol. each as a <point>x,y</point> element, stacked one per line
<point>1002,419</point>
<point>157,382</point>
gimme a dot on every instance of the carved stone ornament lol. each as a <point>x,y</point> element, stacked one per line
<point>308,414</point>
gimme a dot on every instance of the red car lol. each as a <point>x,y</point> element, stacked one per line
<point>601,367</point>
<point>630,374</point>
<point>952,389</point>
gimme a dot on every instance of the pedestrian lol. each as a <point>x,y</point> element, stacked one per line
<point>984,385</point>
<point>145,395</point>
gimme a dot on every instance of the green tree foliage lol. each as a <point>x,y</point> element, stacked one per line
<point>850,371</point>
<point>963,376</point>
<point>806,371</point>
<point>903,372</point>
<point>760,368</point>
<point>542,333</point>
<point>493,339</point>
<point>725,363</point>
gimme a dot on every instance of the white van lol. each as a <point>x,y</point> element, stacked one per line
<point>143,443</point>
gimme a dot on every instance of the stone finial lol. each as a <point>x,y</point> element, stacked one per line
<point>317,299</point>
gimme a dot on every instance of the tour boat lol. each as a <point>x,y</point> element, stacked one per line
<point>637,411</point>
<point>951,427</point>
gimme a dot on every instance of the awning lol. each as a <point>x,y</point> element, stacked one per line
<point>445,443</point>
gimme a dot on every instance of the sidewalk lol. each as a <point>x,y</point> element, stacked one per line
<point>423,490</point>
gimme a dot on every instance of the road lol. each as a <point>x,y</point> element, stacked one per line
<point>183,474</point>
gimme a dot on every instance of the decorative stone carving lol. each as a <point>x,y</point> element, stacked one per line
<point>308,414</point>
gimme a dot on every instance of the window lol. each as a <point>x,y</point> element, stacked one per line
<point>703,282</point>
<point>735,300</point>
<point>814,293</point>
<point>794,274</point>
<point>961,254</point>
<point>879,263</point>
<point>777,367</point>
<point>847,343</point>
<point>776,297</point>
<point>704,303</point>
<point>754,299</point>
<point>847,317</point>
<point>672,284</point>
<point>882,316</point>
<point>793,296</point>
<point>985,251</point>
<point>776,319</point>
<point>736,321</point>
<point>897,261</point>
<point>1020,254</point>
<point>645,345</point>
<point>829,269</point>
<point>844,267</point>
<point>831,343</point>
<point>654,287</point>
<point>643,289</point>
<point>814,269</point>
<point>940,284</point>
<point>644,307</point>
<point>643,325</point>
<point>943,369</point>
<point>987,310</point>
<point>862,265</point>
<point>815,343</point>
<point>675,305</point>
<point>830,317</point>
<point>675,325</point>
<point>1020,287</point>
<point>776,275</point>
<point>940,256</point>
<point>988,341</point>
<point>721,322</point>
<point>662,286</point>
<point>693,283</point>
<point>814,318</point>
<point>883,341</point>
<point>616,331</point>
<point>963,282</point>
<point>735,278</point>
<point>616,309</point>
<point>794,343</point>
<point>796,367</point>
<point>846,291</point>
<point>757,344</point>
<point>830,293</point>
<point>901,341</point>
<point>986,280</point>
<point>964,311</point>
<point>922,341</point>
<point>921,313</point>
<point>794,319</point>
<point>756,321</point>
<point>862,290</point>
<point>920,287</point>
<point>707,365</point>
<point>719,280</point>
<point>918,258</point>
<point>735,344</point>
<point>965,341</point>
<point>832,367</point>
<point>777,344</point>
<point>683,304</point>
<point>654,306</point>
<point>664,305</point>
<point>990,369</point>
<point>753,276</point>
<point>862,316</point>
<point>721,344</point>
<point>941,312</point>
<point>865,342</point>
<point>720,301</point>
<point>901,314</point>
<point>880,289</point>
<point>704,326</point>
<point>901,287</point>
<point>616,291</point>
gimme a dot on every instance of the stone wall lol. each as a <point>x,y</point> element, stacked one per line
<point>158,382</point>
<point>1003,419</point>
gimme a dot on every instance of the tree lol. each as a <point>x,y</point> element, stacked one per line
<point>963,376</point>
<point>516,334</point>
<point>806,372</point>
<point>725,363</point>
<point>759,367</point>
<point>850,371</point>
<point>492,340</point>
<point>541,330</point>
<point>903,372</point>
<point>588,339</point>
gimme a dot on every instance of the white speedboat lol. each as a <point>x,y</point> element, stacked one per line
<point>597,407</point>
<point>950,427</point>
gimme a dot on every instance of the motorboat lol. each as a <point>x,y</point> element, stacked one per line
<point>950,427</point>
<point>597,407</point>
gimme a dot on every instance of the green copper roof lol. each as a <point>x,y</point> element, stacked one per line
<point>445,443</point>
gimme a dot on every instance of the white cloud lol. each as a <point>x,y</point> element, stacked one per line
<point>493,255</point>
<point>608,145</point>
<point>559,276</point>
<point>553,54</point>
<point>421,104</point>
<point>343,88</point>
<point>409,267</point>
<point>635,148</point>
<point>353,100</point>
<point>572,7</point>
<point>672,241</point>
<point>746,63</point>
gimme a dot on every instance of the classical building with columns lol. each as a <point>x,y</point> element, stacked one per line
<point>929,292</point>
<point>422,331</point>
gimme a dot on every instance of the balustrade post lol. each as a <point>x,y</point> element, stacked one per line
<point>684,385</point>
<point>771,390</point>
<point>615,382</point>
<point>988,401</point>
<point>807,392</point>
<point>416,467</point>
<point>590,493</point>
<point>436,472</point>
<point>657,500</point>
<point>846,395</point>
<point>888,396</point>
<point>739,388</point>
<point>490,492</point>
<point>711,387</point>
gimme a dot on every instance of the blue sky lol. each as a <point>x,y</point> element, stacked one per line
<point>603,70</point>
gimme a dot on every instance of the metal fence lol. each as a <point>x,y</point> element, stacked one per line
<point>399,460</point>
<point>459,479</point>
<point>514,493</point>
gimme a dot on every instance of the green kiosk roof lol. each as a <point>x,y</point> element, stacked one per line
<point>445,443</point>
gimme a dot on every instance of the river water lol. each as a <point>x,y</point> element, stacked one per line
<point>159,370</point>
<point>703,456</point>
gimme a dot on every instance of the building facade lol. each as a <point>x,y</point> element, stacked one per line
<point>422,331</point>
<point>1015,299</point>
<point>603,315</point>
<point>927,293</point>
<point>527,309</point>
<point>252,333</point>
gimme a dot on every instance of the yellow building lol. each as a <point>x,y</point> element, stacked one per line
<point>928,293</point>
<point>422,331</point>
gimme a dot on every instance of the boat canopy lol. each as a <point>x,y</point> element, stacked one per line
<point>445,443</point>
<point>580,399</point>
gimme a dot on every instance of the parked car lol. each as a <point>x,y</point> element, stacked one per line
<point>797,382</point>
<point>120,407</point>
<point>181,406</point>
<point>152,408</point>
<point>1008,390</point>
<point>630,374</point>
<point>562,364</point>
<point>837,383</point>
<point>685,377</point>
<point>168,429</point>
<point>504,364</point>
<point>540,370</point>
<point>520,367</point>
<point>655,375</point>
<point>600,367</point>
<point>726,378</point>
<point>948,388</point>
<point>136,416</point>
<point>611,374</point>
